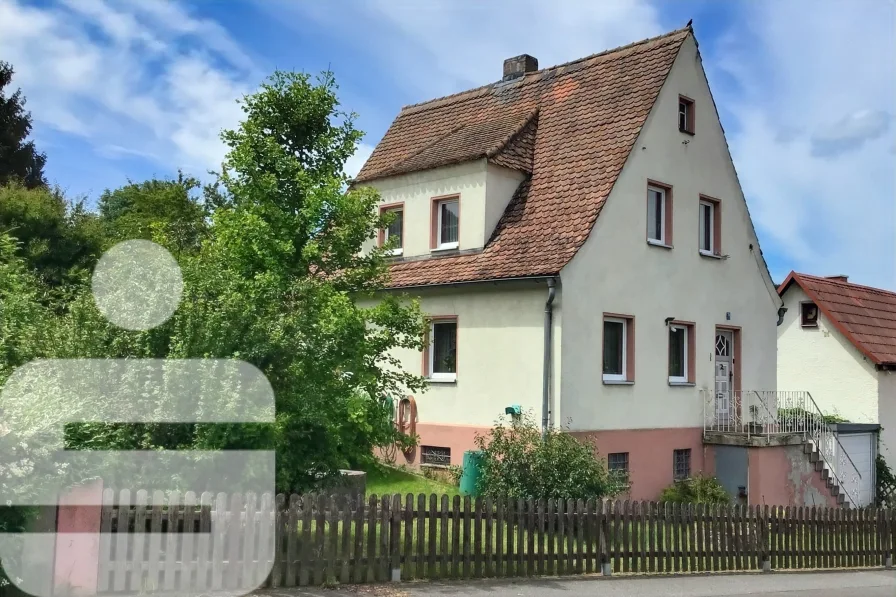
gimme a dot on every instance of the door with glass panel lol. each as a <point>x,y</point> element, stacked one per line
<point>724,375</point>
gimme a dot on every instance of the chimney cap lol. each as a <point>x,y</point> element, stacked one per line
<point>839,278</point>
<point>518,66</point>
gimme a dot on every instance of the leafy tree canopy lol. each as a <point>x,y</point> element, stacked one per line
<point>58,239</point>
<point>19,159</point>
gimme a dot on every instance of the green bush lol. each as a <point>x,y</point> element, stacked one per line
<point>696,490</point>
<point>518,462</point>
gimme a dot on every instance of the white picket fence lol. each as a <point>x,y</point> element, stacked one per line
<point>139,552</point>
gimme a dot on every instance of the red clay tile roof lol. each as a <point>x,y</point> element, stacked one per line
<point>589,114</point>
<point>865,315</point>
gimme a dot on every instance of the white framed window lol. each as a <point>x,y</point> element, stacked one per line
<point>447,224</point>
<point>442,357</point>
<point>707,227</point>
<point>678,354</point>
<point>395,230</point>
<point>656,215</point>
<point>615,363</point>
<point>685,114</point>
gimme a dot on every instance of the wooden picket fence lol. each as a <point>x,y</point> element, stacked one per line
<point>230,542</point>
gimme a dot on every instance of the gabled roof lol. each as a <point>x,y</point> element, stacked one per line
<point>571,126</point>
<point>865,315</point>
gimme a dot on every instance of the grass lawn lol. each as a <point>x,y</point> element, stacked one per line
<point>392,480</point>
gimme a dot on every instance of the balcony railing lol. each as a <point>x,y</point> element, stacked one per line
<point>771,413</point>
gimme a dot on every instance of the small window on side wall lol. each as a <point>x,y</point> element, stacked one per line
<point>659,215</point>
<point>446,224</point>
<point>809,315</point>
<point>617,464</point>
<point>394,232</point>
<point>710,227</point>
<point>440,359</point>
<point>681,464</point>
<point>681,353</point>
<point>685,114</point>
<point>618,349</point>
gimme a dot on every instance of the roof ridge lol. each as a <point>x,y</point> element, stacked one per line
<point>847,283</point>
<point>524,122</point>
<point>530,77</point>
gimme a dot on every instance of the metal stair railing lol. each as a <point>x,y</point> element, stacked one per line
<point>786,412</point>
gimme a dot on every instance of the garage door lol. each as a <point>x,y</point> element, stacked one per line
<point>859,448</point>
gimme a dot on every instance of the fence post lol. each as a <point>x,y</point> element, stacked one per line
<point>395,537</point>
<point>763,536</point>
<point>606,567</point>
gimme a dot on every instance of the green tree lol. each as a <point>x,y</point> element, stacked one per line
<point>19,159</point>
<point>58,239</point>
<point>167,208</point>
<point>280,281</point>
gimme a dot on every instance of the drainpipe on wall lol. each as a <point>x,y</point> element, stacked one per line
<point>546,376</point>
<point>781,313</point>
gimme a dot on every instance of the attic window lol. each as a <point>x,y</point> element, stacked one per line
<point>445,223</point>
<point>809,315</point>
<point>685,115</point>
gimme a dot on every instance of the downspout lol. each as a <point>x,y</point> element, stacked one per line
<point>781,313</point>
<point>546,376</point>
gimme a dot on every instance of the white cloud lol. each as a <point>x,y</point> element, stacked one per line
<point>443,46</point>
<point>146,78</point>
<point>850,133</point>
<point>812,106</point>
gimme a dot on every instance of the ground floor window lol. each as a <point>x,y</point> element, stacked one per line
<point>435,455</point>
<point>681,464</point>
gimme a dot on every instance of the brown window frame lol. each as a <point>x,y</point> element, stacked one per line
<point>628,364</point>
<point>689,116</point>
<point>666,241</point>
<point>381,237</point>
<point>716,244</point>
<point>427,366</point>
<point>434,240</point>
<point>690,353</point>
<point>804,321</point>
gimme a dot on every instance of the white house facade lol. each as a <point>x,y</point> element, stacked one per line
<point>578,238</point>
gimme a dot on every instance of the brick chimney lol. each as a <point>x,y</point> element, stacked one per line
<point>518,66</point>
<point>839,278</point>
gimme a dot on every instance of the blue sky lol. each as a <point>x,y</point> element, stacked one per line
<point>128,90</point>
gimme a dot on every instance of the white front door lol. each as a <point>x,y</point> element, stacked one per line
<point>723,374</point>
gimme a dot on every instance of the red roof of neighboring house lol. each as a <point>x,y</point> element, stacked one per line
<point>570,126</point>
<point>865,315</point>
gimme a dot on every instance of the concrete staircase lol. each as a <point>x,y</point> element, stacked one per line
<point>811,450</point>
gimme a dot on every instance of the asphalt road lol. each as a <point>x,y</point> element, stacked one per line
<point>781,584</point>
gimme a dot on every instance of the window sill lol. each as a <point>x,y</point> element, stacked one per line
<point>445,247</point>
<point>657,243</point>
<point>395,252</point>
<point>444,467</point>
<point>808,325</point>
<point>618,382</point>
<point>682,384</point>
<point>446,379</point>
<point>709,255</point>
<point>686,132</point>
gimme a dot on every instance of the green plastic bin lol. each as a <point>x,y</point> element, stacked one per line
<point>470,477</point>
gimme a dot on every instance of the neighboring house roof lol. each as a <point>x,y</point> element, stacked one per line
<point>571,126</point>
<point>865,315</point>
